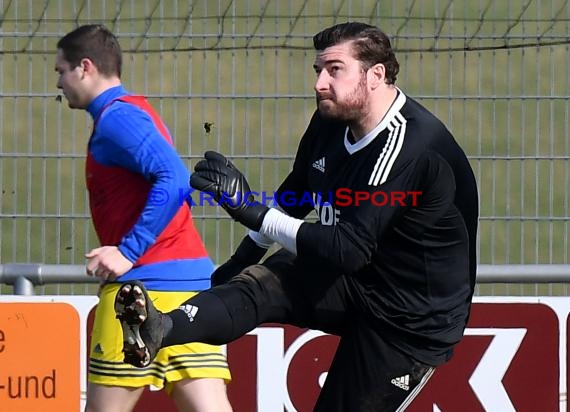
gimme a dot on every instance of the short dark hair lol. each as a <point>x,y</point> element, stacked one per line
<point>371,45</point>
<point>95,42</point>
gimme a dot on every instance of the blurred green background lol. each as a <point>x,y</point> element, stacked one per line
<point>496,73</point>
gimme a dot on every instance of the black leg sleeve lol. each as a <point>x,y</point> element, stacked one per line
<point>203,318</point>
<point>226,312</point>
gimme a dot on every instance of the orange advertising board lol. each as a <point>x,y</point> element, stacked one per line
<point>39,357</point>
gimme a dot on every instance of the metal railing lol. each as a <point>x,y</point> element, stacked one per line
<point>24,276</point>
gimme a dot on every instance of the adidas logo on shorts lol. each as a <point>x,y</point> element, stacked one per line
<point>402,382</point>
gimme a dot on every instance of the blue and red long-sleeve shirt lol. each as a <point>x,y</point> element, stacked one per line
<point>138,186</point>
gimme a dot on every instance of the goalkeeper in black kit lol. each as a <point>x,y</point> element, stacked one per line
<point>392,275</point>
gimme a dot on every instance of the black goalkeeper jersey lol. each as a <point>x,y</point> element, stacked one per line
<point>397,214</point>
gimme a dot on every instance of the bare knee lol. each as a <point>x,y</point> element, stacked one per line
<point>103,398</point>
<point>201,395</point>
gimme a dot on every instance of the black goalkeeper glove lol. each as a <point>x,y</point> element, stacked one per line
<point>248,253</point>
<point>217,175</point>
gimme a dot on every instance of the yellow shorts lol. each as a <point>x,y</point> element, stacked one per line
<point>174,363</point>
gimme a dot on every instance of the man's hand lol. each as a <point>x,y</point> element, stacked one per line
<point>107,263</point>
<point>217,175</point>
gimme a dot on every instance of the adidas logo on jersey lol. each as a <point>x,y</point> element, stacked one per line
<point>190,311</point>
<point>402,382</point>
<point>320,164</point>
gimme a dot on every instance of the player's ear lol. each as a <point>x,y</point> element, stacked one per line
<point>87,66</point>
<point>376,75</point>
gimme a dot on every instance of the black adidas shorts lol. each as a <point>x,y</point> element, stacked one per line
<point>368,373</point>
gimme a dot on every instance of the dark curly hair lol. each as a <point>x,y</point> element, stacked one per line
<point>371,45</point>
